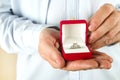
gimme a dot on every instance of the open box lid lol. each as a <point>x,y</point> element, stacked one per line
<point>75,28</point>
<point>74,36</point>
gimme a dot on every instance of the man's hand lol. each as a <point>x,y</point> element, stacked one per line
<point>105,27</point>
<point>49,50</point>
<point>98,61</point>
<point>49,47</point>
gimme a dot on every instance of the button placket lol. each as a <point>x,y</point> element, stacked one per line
<point>72,9</point>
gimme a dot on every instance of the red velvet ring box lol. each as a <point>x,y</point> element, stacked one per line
<point>74,38</point>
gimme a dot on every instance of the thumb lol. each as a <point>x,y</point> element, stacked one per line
<point>50,53</point>
<point>55,58</point>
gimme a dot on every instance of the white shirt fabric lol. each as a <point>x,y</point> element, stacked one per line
<point>21,26</point>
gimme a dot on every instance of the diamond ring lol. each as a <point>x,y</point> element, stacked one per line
<point>75,46</point>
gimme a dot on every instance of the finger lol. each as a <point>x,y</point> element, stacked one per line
<point>104,64</point>
<point>114,31</point>
<point>56,57</point>
<point>103,59</point>
<point>105,41</point>
<point>81,65</point>
<point>100,16</point>
<point>105,27</point>
<point>102,56</point>
<point>99,43</point>
<point>113,40</point>
<point>52,55</point>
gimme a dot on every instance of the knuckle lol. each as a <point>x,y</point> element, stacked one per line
<point>94,36</point>
<point>109,41</point>
<point>109,7</point>
<point>95,21</point>
<point>110,35</point>
<point>98,33</point>
<point>106,42</point>
<point>113,19</point>
<point>115,16</point>
<point>96,64</point>
<point>108,65</point>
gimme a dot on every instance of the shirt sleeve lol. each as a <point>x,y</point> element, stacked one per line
<point>17,33</point>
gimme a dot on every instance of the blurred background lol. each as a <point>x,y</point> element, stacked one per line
<point>7,66</point>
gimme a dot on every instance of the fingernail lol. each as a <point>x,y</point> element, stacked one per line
<point>59,63</point>
<point>89,45</point>
<point>102,66</point>
<point>56,64</point>
<point>91,40</point>
<point>94,47</point>
<point>111,60</point>
<point>92,27</point>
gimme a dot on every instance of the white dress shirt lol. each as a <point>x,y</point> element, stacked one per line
<point>21,22</point>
